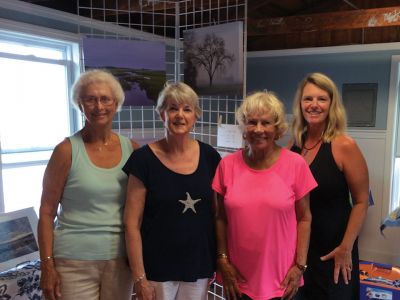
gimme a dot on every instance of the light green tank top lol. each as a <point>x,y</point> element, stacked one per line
<point>89,223</point>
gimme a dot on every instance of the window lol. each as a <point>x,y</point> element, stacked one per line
<point>36,75</point>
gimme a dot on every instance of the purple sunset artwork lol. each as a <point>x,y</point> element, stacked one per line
<point>139,66</point>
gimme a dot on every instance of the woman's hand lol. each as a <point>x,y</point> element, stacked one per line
<point>343,263</point>
<point>291,283</point>
<point>230,277</point>
<point>50,281</point>
<point>145,290</point>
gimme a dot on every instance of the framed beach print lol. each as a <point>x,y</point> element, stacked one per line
<point>139,66</point>
<point>18,238</point>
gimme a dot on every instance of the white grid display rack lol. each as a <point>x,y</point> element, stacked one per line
<point>165,21</point>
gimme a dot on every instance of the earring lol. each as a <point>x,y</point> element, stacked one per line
<point>244,135</point>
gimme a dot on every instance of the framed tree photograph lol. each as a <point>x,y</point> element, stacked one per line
<point>213,59</point>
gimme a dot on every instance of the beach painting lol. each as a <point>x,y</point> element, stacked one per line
<point>139,66</point>
<point>18,238</point>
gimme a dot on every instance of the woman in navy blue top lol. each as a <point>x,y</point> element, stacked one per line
<point>168,215</point>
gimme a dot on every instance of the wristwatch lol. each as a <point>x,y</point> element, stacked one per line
<point>302,268</point>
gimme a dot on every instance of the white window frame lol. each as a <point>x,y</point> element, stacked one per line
<point>70,44</point>
<point>393,134</point>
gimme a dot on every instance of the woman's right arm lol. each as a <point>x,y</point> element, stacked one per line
<point>54,180</point>
<point>230,275</point>
<point>134,207</point>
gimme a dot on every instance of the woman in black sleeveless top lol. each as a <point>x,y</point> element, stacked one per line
<point>319,127</point>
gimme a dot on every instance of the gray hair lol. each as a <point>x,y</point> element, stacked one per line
<point>179,92</point>
<point>97,76</point>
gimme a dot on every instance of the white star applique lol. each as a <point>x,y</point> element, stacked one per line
<point>189,203</point>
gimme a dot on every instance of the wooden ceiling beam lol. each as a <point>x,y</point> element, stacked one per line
<point>363,18</point>
<point>146,6</point>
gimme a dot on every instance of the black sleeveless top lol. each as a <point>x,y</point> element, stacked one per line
<point>330,208</point>
<point>329,202</point>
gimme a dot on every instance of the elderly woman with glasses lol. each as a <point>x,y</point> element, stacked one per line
<point>83,253</point>
<point>262,209</point>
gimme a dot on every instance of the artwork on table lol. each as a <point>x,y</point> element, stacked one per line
<point>139,66</point>
<point>213,58</point>
<point>18,238</point>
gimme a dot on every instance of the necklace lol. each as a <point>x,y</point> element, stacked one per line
<point>100,148</point>
<point>304,149</point>
<point>100,145</point>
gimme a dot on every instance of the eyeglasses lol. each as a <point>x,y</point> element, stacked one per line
<point>92,100</point>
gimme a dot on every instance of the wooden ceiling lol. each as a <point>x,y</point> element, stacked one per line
<point>289,24</point>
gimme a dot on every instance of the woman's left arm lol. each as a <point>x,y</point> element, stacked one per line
<point>293,276</point>
<point>351,161</point>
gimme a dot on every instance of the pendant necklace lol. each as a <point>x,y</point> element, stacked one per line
<point>100,148</point>
<point>304,149</point>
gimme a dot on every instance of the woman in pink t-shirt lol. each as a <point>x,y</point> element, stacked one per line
<point>262,208</point>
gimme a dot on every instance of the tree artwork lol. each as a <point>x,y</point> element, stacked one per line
<point>211,55</point>
<point>214,63</point>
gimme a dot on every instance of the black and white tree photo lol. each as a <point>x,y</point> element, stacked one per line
<point>214,59</point>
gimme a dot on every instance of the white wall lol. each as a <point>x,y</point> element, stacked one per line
<point>373,245</point>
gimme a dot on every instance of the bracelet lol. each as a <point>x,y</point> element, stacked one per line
<point>140,278</point>
<point>302,268</point>
<point>46,259</point>
<point>223,256</point>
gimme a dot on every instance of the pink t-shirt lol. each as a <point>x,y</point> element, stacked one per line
<point>260,210</point>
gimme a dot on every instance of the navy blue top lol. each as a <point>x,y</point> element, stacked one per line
<point>178,234</point>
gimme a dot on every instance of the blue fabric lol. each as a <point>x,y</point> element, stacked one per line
<point>21,282</point>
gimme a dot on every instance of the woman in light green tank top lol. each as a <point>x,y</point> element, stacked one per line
<point>80,229</point>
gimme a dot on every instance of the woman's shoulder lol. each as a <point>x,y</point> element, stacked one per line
<point>206,146</point>
<point>62,153</point>
<point>232,157</point>
<point>64,147</point>
<point>345,150</point>
<point>141,151</point>
<point>208,149</point>
<point>344,143</point>
<point>135,145</point>
<point>289,155</point>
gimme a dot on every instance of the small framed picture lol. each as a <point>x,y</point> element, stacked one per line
<point>18,238</point>
<point>359,99</point>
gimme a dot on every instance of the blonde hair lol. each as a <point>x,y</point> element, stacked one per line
<point>260,103</point>
<point>98,76</point>
<point>179,92</point>
<point>336,121</point>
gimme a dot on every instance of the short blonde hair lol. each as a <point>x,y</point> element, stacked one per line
<point>97,76</point>
<point>336,123</point>
<point>259,103</point>
<point>179,92</point>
